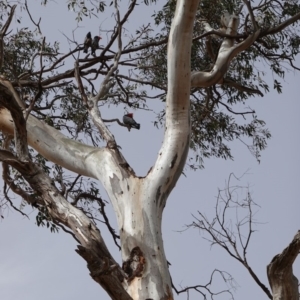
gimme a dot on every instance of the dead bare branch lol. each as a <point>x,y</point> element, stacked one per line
<point>30,16</point>
<point>283,282</point>
<point>207,288</point>
<point>234,240</point>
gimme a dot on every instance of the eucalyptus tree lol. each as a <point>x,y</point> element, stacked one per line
<point>203,63</point>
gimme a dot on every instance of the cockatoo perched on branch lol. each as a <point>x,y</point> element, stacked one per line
<point>130,122</point>
<point>95,44</point>
<point>87,42</point>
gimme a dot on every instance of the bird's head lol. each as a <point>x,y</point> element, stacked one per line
<point>96,38</point>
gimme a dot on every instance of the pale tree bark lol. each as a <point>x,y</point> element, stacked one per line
<point>284,284</point>
<point>138,202</point>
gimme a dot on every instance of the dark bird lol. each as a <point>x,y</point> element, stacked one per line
<point>87,42</point>
<point>95,44</point>
<point>130,122</point>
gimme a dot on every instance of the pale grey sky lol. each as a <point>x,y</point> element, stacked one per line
<point>36,264</point>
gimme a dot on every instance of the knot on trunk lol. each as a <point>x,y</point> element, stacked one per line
<point>112,145</point>
<point>134,265</point>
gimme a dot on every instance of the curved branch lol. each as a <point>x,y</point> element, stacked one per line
<point>281,26</point>
<point>226,53</point>
<point>114,120</point>
<point>283,283</point>
<point>235,112</point>
<point>55,146</point>
<point>215,33</point>
<point>240,87</point>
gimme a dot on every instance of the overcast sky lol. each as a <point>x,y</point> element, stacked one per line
<point>36,264</point>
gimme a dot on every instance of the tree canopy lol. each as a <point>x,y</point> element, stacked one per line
<point>205,65</point>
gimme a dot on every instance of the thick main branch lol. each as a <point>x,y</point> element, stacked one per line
<point>174,150</point>
<point>56,147</point>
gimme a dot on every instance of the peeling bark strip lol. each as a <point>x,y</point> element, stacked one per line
<point>115,184</point>
<point>134,265</point>
<point>283,283</point>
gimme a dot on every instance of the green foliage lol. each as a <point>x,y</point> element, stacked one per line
<point>147,2</point>
<point>21,53</point>
<point>43,219</point>
<point>89,8</point>
<point>217,113</point>
<point>19,48</point>
<point>86,8</point>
